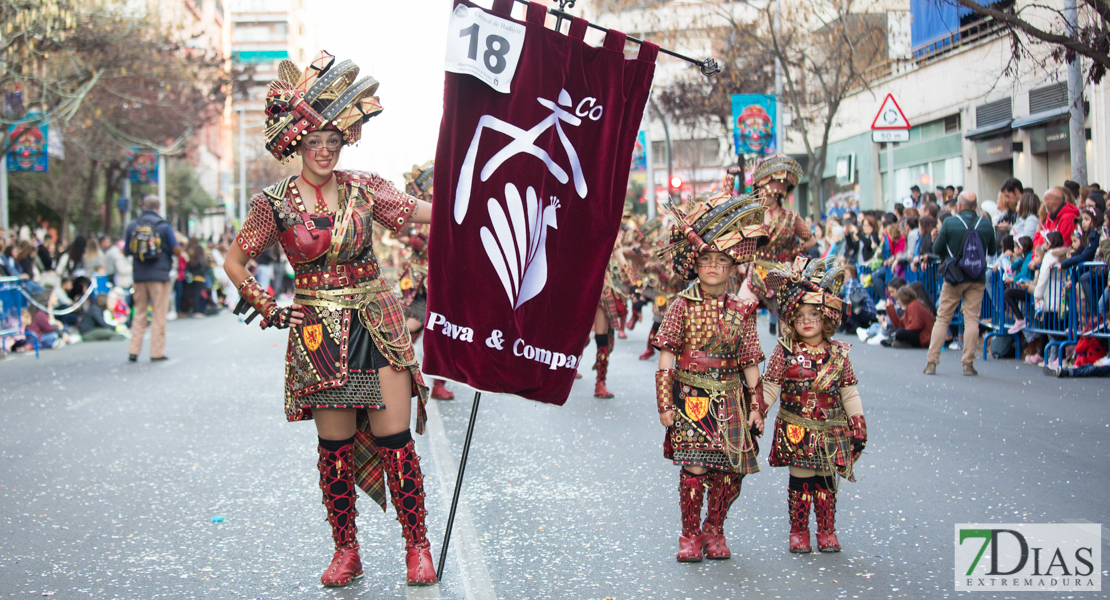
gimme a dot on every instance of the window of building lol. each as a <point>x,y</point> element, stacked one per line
<point>952,124</point>
<point>1048,97</point>
<point>994,112</point>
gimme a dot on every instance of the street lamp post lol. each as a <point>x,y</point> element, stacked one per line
<point>242,165</point>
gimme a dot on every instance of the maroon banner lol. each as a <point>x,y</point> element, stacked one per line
<point>529,188</point>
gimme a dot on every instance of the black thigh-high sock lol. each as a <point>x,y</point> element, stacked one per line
<point>339,488</point>
<point>398,441</point>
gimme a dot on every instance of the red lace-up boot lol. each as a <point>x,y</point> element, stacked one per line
<point>824,508</point>
<point>799,501</point>
<point>337,483</point>
<point>633,318</point>
<point>650,352</point>
<point>406,489</point>
<point>691,491</point>
<point>440,391</point>
<point>723,491</point>
<point>600,391</point>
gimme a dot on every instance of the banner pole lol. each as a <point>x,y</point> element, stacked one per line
<point>458,485</point>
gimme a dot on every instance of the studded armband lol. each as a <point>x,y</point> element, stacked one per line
<point>664,390</point>
<point>251,295</point>
<point>857,433</point>
<point>755,394</point>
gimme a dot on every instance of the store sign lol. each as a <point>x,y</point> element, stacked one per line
<point>995,150</point>
<point>846,169</point>
<point>1049,139</point>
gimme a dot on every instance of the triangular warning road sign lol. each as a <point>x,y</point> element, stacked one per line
<point>890,116</point>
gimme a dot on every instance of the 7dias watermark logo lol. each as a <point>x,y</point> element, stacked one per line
<point>1023,557</point>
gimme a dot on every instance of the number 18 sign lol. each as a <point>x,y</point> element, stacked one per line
<point>483,45</point>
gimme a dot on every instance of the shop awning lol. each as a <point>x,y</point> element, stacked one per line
<point>1040,118</point>
<point>988,130</point>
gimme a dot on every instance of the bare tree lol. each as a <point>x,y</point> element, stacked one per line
<point>1044,25</point>
<point>825,49</point>
<point>146,86</point>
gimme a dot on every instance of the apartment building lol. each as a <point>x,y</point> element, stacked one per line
<point>978,117</point>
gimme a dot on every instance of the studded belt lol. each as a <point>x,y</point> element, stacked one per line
<point>342,275</point>
<point>697,360</point>
<point>813,400</point>
<point>352,297</point>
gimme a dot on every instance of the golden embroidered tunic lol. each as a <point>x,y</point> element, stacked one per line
<point>713,339</point>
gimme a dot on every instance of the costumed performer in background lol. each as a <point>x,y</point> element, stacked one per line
<point>772,180</point>
<point>414,273</point>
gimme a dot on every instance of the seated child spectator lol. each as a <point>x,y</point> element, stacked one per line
<point>857,300</point>
<point>40,325</point>
<point>913,328</point>
<point>93,327</point>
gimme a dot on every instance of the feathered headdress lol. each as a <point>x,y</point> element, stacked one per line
<point>722,223</point>
<point>325,96</point>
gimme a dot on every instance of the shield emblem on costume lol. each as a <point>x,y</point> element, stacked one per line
<point>406,283</point>
<point>795,433</point>
<point>660,301</point>
<point>313,335</point>
<point>697,407</point>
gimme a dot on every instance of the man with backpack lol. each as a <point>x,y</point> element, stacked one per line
<point>151,244</point>
<point>964,263</point>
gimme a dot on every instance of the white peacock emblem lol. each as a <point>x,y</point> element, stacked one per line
<point>517,244</point>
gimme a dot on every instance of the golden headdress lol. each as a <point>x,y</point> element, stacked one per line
<point>325,96</point>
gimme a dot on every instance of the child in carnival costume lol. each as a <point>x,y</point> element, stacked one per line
<point>414,273</point>
<point>820,429</point>
<point>708,368</point>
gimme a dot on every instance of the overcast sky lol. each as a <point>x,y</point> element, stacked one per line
<point>401,44</point>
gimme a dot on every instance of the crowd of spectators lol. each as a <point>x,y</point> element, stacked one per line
<point>1046,249</point>
<point>81,291</point>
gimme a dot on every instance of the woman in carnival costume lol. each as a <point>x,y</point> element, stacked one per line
<point>414,273</point>
<point>349,364</point>
<point>708,367</point>
<point>820,429</point>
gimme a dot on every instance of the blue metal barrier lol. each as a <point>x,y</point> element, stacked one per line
<point>1000,316</point>
<point>1057,315</point>
<point>1076,304</point>
<point>876,294</point>
<point>1092,300</point>
<point>11,310</point>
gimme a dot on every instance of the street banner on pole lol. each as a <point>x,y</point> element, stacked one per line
<point>144,166</point>
<point>30,151</point>
<point>529,189</point>
<point>753,123</point>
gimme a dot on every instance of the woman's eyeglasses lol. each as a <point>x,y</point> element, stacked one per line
<point>331,145</point>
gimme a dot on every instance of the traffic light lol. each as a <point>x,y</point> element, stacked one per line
<point>676,182</point>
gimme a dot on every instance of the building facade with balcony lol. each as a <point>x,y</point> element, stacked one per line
<point>978,116</point>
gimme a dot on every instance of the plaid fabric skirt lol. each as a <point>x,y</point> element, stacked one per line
<point>613,307</point>
<point>818,448</point>
<point>710,430</point>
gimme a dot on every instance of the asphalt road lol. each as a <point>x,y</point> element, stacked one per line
<point>113,472</point>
